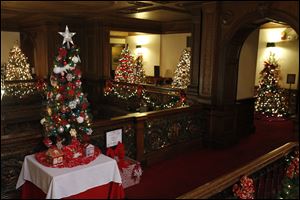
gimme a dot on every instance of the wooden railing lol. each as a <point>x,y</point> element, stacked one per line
<point>125,96</point>
<point>150,136</point>
<point>268,167</point>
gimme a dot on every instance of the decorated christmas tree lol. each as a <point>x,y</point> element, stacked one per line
<point>182,73</point>
<point>125,69</point>
<point>270,99</point>
<point>18,81</point>
<point>67,114</point>
<point>139,72</point>
<point>17,67</point>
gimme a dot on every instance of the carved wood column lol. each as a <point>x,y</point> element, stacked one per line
<point>193,88</point>
<point>204,50</point>
<point>93,51</point>
<point>208,47</point>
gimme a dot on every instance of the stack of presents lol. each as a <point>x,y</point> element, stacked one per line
<point>130,169</point>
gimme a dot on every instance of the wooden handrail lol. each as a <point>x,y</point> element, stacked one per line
<point>219,184</point>
<point>151,88</point>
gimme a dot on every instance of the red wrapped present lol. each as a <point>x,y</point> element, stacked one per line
<point>131,174</point>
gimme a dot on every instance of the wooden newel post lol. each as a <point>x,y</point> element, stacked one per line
<point>140,130</point>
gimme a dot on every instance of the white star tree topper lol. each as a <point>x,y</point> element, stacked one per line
<point>67,36</point>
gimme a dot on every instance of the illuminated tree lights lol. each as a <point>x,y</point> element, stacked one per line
<point>131,91</point>
<point>17,67</point>
<point>17,79</point>
<point>125,69</point>
<point>182,73</point>
<point>270,99</point>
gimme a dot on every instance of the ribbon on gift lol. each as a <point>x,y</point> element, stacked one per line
<point>136,172</point>
<point>118,154</point>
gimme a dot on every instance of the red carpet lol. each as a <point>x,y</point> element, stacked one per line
<point>174,177</point>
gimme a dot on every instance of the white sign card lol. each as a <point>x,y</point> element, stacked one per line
<point>113,137</point>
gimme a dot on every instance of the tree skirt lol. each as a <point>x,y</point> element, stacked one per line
<point>68,160</point>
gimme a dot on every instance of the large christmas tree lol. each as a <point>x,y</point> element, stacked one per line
<point>270,99</point>
<point>67,114</point>
<point>182,73</point>
<point>18,81</point>
<point>125,69</point>
<point>17,67</point>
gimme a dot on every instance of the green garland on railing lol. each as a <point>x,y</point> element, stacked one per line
<point>126,92</point>
<point>290,182</point>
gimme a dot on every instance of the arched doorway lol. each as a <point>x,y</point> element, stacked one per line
<point>231,56</point>
<point>255,52</point>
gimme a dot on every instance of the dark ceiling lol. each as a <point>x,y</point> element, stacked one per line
<point>26,12</point>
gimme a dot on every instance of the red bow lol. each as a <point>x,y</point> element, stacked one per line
<point>118,154</point>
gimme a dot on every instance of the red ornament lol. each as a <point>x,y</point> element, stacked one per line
<point>84,106</point>
<point>62,52</point>
<point>77,72</point>
<point>61,89</point>
<point>47,142</point>
<point>71,92</point>
<point>49,95</point>
<point>71,85</point>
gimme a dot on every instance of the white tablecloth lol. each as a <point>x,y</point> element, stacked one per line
<point>63,182</point>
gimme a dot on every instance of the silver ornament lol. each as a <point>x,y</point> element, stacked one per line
<point>69,77</point>
<point>80,119</point>
<point>72,104</point>
<point>61,129</point>
<point>75,59</point>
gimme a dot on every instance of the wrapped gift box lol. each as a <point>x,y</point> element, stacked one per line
<point>54,156</point>
<point>131,175</point>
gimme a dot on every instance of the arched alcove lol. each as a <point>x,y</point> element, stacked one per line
<point>234,43</point>
<point>229,65</point>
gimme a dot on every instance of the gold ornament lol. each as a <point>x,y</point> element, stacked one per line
<point>73,132</point>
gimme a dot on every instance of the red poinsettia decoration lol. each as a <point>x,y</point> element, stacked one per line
<point>245,190</point>
<point>293,168</point>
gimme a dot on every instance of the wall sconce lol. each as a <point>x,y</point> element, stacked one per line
<point>139,50</point>
<point>270,44</point>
